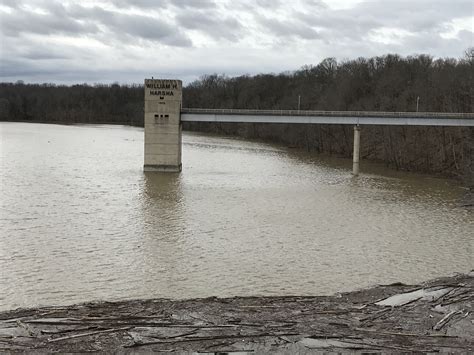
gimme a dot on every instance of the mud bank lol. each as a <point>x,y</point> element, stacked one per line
<point>432,317</point>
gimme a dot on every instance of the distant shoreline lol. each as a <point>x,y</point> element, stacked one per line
<point>73,123</point>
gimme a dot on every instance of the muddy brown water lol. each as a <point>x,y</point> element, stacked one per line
<point>80,220</point>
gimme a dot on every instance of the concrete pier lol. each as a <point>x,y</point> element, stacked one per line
<point>356,153</point>
<point>163,125</point>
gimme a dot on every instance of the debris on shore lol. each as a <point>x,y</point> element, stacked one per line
<point>436,316</point>
<point>468,198</point>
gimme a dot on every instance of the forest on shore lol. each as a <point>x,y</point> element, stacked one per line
<point>383,83</point>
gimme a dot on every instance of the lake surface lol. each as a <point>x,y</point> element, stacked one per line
<point>80,220</point>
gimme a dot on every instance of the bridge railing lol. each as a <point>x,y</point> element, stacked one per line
<point>203,111</point>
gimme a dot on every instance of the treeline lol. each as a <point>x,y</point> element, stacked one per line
<point>116,104</point>
<point>387,83</point>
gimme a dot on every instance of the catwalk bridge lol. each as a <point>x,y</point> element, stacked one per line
<point>328,117</point>
<point>164,115</point>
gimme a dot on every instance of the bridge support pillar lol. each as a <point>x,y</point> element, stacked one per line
<point>163,125</point>
<point>356,152</point>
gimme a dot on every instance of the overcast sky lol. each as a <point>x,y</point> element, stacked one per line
<point>125,41</point>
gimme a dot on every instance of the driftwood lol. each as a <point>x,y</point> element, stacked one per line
<point>265,324</point>
<point>88,334</point>
<point>446,319</point>
<point>405,334</point>
<point>215,337</point>
<point>62,331</point>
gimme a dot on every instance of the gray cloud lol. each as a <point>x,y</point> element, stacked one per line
<point>77,20</point>
<point>138,26</point>
<point>340,25</point>
<point>420,17</point>
<point>413,15</point>
<point>15,68</point>
<point>211,24</point>
<point>288,28</point>
<point>36,54</point>
<point>55,20</point>
<point>315,4</point>
<point>141,3</point>
<point>11,3</point>
<point>161,4</point>
<point>193,4</point>
<point>125,40</point>
<point>269,3</point>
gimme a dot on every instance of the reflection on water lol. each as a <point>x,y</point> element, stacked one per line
<point>80,220</point>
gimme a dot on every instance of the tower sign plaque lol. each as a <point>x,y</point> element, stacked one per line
<point>163,125</point>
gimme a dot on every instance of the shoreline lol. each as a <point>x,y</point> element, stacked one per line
<point>435,316</point>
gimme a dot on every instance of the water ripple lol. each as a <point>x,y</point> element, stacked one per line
<point>81,221</point>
